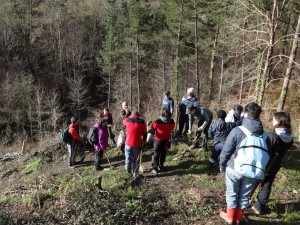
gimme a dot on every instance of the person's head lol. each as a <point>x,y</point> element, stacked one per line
<point>191,110</point>
<point>74,119</point>
<point>237,110</point>
<point>190,92</point>
<point>168,94</point>
<point>252,110</point>
<point>165,112</point>
<point>105,111</point>
<point>221,114</point>
<point>125,105</point>
<point>101,122</point>
<point>135,113</point>
<point>282,119</point>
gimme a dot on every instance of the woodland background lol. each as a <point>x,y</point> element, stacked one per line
<point>64,57</point>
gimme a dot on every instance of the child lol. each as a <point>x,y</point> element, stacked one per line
<point>281,140</point>
<point>163,127</point>
<point>218,131</point>
<point>102,144</point>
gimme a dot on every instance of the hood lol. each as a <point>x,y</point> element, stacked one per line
<point>165,119</point>
<point>253,125</point>
<point>284,134</point>
<point>96,125</point>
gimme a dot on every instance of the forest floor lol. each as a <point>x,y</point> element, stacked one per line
<point>39,188</point>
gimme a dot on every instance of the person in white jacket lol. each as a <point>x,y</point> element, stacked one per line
<point>235,114</point>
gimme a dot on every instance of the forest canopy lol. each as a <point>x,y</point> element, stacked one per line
<point>70,57</point>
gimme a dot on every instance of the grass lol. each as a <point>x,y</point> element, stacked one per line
<point>33,166</point>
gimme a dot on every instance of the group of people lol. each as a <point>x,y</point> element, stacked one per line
<point>230,133</point>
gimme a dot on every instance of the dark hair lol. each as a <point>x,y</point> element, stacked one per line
<point>167,93</point>
<point>101,121</point>
<point>221,114</point>
<point>283,119</point>
<point>253,110</point>
<point>165,112</point>
<point>106,109</point>
<point>238,108</point>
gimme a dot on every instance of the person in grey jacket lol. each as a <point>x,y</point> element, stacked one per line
<point>218,131</point>
<point>238,187</point>
<point>204,117</point>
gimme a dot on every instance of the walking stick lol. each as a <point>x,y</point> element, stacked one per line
<point>107,159</point>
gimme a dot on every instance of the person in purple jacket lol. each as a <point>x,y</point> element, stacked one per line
<point>102,144</point>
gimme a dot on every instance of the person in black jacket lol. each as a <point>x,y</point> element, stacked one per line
<point>218,131</point>
<point>281,140</point>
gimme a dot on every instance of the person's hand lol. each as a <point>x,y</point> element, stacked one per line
<point>200,129</point>
<point>189,131</point>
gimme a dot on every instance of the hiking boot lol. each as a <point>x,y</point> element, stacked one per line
<point>211,165</point>
<point>153,170</point>
<point>98,168</point>
<point>161,168</point>
<point>256,211</point>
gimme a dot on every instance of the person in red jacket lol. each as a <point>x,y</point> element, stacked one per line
<point>135,130</point>
<point>74,142</point>
<point>163,127</point>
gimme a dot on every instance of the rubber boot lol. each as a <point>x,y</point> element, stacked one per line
<point>229,216</point>
<point>238,216</point>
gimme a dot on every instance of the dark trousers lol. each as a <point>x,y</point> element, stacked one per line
<point>123,141</point>
<point>266,186</point>
<point>183,121</point>
<point>160,153</point>
<point>198,135</point>
<point>215,153</point>
<point>98,157</point>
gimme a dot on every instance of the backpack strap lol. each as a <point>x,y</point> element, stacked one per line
<point>245,131</point>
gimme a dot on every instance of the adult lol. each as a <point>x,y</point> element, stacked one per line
<point>281,140</point>
<point>168,102</point>
<point>74,142</point>
<point>204,117</point>
<point>125,113</point>
<point>102,144</point>
<point>235,114</point>
<point>218,131</point>
<point>238,186</point>
<point>135,131</point>
<point>107,116</point>
<point>163,127</point>
<point>188,100</point>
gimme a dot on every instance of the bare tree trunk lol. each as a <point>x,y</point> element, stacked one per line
<point>177,59</point>
<point>138,75</point>
<point>196,50</point>
<point>212,65</point>
<point>221,81</point>
<point>266,71</point>
<point>289,69</point>
<point>130,82</point>
<point>243,67</point>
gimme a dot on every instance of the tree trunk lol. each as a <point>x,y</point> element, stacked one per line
<point>130,82</point>
<point>221,81</point>
<point>212,66</point>
<point>196,51</point>
<point>138,74</point>
<point>266,71</point>
<point>289,69</point>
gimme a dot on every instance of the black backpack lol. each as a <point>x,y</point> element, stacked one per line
<point>93,136</point>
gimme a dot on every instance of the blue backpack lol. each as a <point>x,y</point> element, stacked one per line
<point>252,156</point>
<point>65,135</point>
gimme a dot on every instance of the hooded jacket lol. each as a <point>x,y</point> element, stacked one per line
<point>219,130</point>
<point>168,103</point>
<point>201,114</point>
<point>234,139</point>
<point>163,127</point>
<point>281,140</point>
<point>102,138</point>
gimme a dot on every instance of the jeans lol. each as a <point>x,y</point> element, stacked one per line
<point>238,189</point>
<point>132,162</point>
